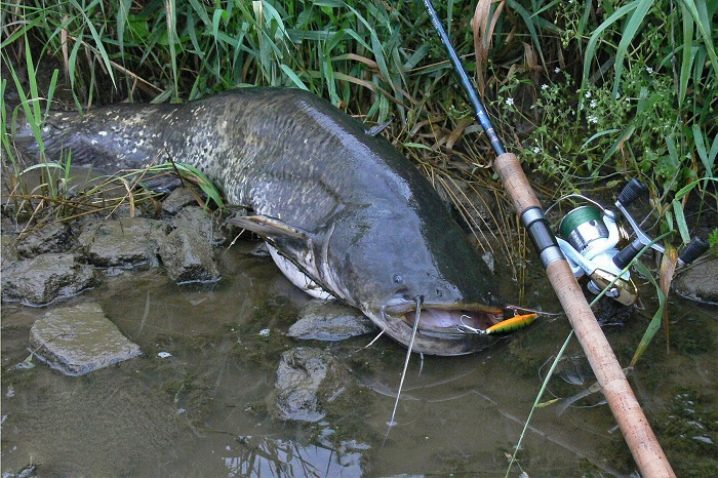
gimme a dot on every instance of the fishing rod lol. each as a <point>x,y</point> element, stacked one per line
<point>636,430</point>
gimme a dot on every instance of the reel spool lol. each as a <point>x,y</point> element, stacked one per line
<point>589,236</point>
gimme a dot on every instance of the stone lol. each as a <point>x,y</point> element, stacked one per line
<point>329,321</point>
<point>187,256</point>
<point>79,339</point>
<point>187,251</point>
<point>7,249</point>
<point>307,379</point>
<point>195,219</point>
<point>179,198</point>
<point>125,243</point>
<point>699,282</point>
<point>45,278</point>
<point>53,237</point>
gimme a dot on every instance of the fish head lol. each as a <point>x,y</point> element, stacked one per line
<point>396,266</point>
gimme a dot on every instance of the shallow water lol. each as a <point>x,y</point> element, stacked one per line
<point>204,410</point>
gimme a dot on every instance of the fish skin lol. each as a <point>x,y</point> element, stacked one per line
<point>344,206</point>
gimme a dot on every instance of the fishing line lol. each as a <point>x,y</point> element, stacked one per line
<point>419,301</point>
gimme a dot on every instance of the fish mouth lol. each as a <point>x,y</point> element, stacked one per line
<point>446,321</point>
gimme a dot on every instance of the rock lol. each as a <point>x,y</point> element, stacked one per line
<point>699,283</point>
<point>54,237</point>
<point>45,278</point>
<point>79,339</point>
<point>195,219</point>
<point>179,198</point>
<point>125,243</point>
<point>8,250</point>
<point>187,251</point>
<point>329,321</point>
<point>307,379</point>
<point>187,256</point>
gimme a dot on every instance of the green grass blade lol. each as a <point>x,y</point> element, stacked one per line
<point>688,55</point>
<point>123,10</point>
<point>529,22</point>
<point>700,15</point>
<point>655,323</point>
<point>629,32</point>
<point>20,32</point>
<point>99,44</point>
<point>591,52</point>
<point>48,165</point>
<point>293,76</point>
<point>537,400</point>
<point>51,91</point>
<point>171,17</point>
<point>705,158</point>
<point>681,222</point>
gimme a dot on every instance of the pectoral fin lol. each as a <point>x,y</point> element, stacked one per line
<point>267,226</point>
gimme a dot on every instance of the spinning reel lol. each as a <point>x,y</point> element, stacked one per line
<point>589,238</point>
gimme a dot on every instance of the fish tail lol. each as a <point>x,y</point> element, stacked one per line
<point>104,139</point>
<point>31,140</point>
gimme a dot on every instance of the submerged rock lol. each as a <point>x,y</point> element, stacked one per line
<point>307,379</point>
<point>699,283</point>
<point>187,251</point>
<point>79,339</point>
<point>329,321</point>
<point>45,278</point>
<point>125,243</point>
<point>54,237</point>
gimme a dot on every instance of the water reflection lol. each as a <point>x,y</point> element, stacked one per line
<point>265,457</point>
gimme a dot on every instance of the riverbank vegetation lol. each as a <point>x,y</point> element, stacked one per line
<point>588,94</point>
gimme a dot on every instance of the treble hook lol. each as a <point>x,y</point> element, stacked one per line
<point>464,327</point>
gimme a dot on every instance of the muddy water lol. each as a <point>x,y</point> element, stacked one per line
<point>204,411</point>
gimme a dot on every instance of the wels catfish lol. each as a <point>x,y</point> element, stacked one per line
<point>345,214</point>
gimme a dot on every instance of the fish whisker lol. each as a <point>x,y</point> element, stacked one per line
<point>419,300</point>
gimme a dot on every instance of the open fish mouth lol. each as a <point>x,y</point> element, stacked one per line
<point>452,321</point>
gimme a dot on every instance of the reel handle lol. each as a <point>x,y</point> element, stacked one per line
<point>626,255</point>
<point>632,191</point>
<point>693,250</point>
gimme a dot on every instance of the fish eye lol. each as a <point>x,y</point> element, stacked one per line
<point>398,279</point>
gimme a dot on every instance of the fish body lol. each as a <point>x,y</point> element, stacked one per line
<point>346,215</point>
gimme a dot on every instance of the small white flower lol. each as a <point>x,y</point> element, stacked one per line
<point>510,101</point>
<point>264,333</point>
<point>557,70</point>
<point>587,94</point>
<point>594,103</point>
<point>536,150</point>
<point>544,87</point>
<point>164,355</point>
<point>649,70</point>
<point>592,119</point>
